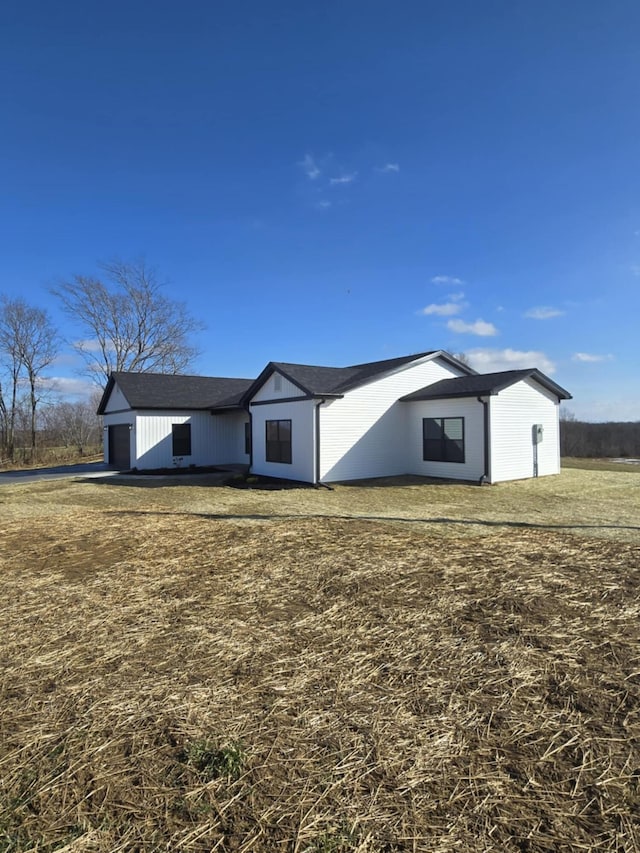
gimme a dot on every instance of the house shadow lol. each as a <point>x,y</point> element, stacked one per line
<point>217,479</point>
<point>464,522</point>
<point>427,522</point>
<point>214,480</point>
<point>402,480</point>
<point>157,481</point>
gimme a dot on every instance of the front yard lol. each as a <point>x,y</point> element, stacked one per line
<point>377,668</point>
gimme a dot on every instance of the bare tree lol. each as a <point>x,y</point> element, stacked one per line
<point>127,321</point>
<point>73,424</point>
<point>463,357</point>
<point>11,368</point>
<point>30,341</point>
<point>4,422</point>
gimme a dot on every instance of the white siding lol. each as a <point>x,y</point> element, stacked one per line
<point>117,401</point>
<point>228,446</point>
<point>302,417</point>
<point>365,433</point>
<point>215,439</point>
<point>514,411</point>
<point>473,413</point>
<point>268,390</point>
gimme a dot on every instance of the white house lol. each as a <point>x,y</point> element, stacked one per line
<point>426,414</point>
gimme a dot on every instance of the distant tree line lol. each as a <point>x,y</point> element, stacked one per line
<point>124,322</point>
<point>599,440</point>
<point>65,430</point>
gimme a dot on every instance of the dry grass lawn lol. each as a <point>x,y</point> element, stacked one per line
<point>377,668</point>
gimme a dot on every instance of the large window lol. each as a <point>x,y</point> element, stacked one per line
<point>279,441</point>
<point>181,439</point>
<point>443,439</point>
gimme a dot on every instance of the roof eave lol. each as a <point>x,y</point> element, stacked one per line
<point>550,385</point>
<point>221,410</point>
<point>532,373</point>
<point>446,356</point>
<point>450,396</point>
<point>105,395</point>
<point>419,359</point>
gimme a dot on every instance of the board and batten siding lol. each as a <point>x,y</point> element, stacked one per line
<point>473,413</point>
<point>303,454</point>
<point>229,438</point>
<point>365,433</point>
<point>268,390</point>
<point>154,442</point>
<point>513,413</point>
<point>215,439</point>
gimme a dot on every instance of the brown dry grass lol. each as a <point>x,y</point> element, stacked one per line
<point>601,465</point>
<point>193,669</point>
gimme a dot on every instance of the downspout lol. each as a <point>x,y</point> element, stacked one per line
<point>317,460</point>
<point>485,478</point>
<point>250,436</point>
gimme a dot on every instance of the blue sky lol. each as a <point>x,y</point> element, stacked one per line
<point>334,183</point>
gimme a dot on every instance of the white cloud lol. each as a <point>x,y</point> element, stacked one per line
<point>323,204</point>
<point>388,167</point>
<point>590,357</point>
<point>68,386</point>
<point>343,179</point>
<point>310,167</point>
<point>448,280</point>
<point>445,309</point>
<point>543,312</point>
<point>91,345</point>
<point>492,360</point>
<point>66,359</point>
<point>480,327</point>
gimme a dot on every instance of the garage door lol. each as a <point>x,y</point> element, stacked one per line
<point>119,441</point>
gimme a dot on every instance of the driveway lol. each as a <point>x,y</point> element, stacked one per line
<point>32,475</point>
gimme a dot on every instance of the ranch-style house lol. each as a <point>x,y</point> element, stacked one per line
<point>427,414</point>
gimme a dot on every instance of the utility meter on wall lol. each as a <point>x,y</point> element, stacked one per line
<point>538,433</point>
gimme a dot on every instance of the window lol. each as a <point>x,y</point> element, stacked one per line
<point>277,382</point>
<point>181,436</point>
<point>247,438</point>
<point>278,441</point>
<point>443,439</point>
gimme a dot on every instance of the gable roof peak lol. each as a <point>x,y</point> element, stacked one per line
<point>485,384</point>
<point>318,380</point>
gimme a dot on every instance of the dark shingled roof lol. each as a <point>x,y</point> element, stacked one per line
<point>319,381</point>
<point>483,384</point>
<point>163,391</point>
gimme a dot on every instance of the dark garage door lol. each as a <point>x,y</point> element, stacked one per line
<point>119,446</point>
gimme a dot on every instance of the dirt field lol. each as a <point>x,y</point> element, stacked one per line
<point>377,668</point>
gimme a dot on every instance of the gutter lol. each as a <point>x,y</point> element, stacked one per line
<point>248,411</point>
<point>485,479</point>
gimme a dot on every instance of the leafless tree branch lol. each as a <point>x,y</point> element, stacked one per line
<point>127,321</point>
